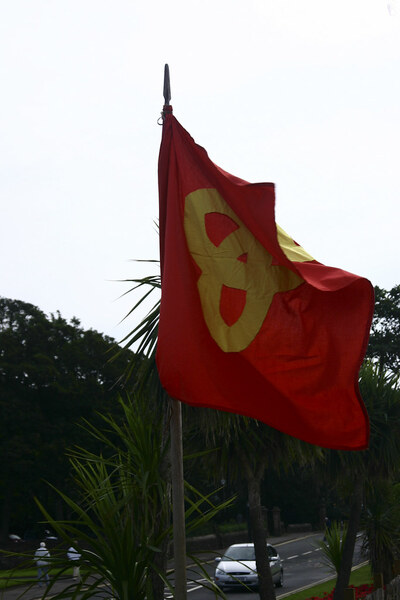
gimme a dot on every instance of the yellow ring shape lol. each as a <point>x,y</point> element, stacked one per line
<point>220,265</point>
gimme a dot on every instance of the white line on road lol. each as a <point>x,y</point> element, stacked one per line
<point>188,589</point>
<point>290,557</point>
<point>294,539</point>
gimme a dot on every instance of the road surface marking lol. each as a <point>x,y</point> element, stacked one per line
<point>295,539</point>
<point>189,589</point>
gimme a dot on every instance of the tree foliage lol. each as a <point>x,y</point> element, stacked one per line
<point>52,373</point>
<point>120,511</point>
<point>380,462</point>
<point>381,527</point>
<point>384,342</point>
<point>121,514</point>
<point>332,545</point>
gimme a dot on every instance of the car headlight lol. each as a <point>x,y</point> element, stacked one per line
<point>219,572</point>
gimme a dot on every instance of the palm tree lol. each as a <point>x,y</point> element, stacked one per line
<point>332,545</point>
<point>379,462</point>
<point>244,442</point>
<point>119,508</point>
<point>120,511</point>
<point>381,526</point>
<point>248,448</point>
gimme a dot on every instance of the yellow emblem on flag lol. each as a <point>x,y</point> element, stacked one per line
<point>238,262</point>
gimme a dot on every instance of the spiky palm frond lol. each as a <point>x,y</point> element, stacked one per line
<point>381,393</point>
<point>381,526</point>
<point>143,337</point>
<point>121,514</point>
<point>332,546</point>
<point>145,333</point>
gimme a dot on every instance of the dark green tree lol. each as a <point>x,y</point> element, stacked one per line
<point>381,527</point>
<point>52,373</point>
<point>384,341</point>
<point>380,462</point>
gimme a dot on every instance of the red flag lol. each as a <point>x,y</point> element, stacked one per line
<point>249,322</point>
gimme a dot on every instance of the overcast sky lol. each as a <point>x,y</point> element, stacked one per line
<point>304,93</point>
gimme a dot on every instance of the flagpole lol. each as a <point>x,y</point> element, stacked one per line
<point>178,493</point>
<point>178,500</point>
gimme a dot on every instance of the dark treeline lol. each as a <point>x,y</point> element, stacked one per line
<point>54,374</point>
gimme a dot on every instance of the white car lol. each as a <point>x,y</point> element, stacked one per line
<point>238,567</point>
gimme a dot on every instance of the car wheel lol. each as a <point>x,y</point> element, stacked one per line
<point>279,583</point>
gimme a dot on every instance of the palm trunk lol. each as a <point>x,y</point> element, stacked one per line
<point>160,563</point>
<point>350,542</point>
<point>266,585</point>
<point>384,566</point>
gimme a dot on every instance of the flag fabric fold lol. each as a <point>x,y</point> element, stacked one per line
<point>250,323</point>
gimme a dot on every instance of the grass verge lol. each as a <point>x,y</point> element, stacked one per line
<point>358,577</point>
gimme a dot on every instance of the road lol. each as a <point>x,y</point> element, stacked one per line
<point>302,563</point>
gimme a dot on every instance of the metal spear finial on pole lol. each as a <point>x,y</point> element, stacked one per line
<point>167,108</point>
<point>167,86</point>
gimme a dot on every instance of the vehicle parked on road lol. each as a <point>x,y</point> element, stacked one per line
<point>237,567</point>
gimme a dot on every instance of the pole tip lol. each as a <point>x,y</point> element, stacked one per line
<point>167,86</point>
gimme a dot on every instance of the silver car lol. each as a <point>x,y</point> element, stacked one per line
<point>238,567</point>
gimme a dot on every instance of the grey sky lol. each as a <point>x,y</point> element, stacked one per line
<point>304,94</point>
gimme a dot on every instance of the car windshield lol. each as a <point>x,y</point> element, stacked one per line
<point>239,553</point>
